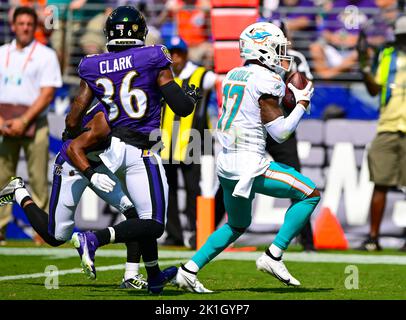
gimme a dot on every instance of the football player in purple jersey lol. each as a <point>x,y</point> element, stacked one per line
<point>130,80</point>
<point>56,228</point>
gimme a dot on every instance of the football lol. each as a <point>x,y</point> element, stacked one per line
<point>300,81</point>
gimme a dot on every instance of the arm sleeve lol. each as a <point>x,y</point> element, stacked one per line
<point>281,128</point>
<point>177,99</point>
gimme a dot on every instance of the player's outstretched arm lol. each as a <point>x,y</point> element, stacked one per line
<point>99,131</point>
<point>79,106</point>
<point>181,102</point>
<point>279,127</point>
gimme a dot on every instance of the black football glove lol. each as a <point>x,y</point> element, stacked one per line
<point>72,134</point>
<point>192,91</point>
<point>362,49</point>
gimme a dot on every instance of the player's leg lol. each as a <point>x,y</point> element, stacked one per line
<point>191,174</point>
<point>148,190</point>
<point>282,181</point>
<point>117,198</point>
<point>239,218</point>
<point>287,153</point>
<point>173,225</point>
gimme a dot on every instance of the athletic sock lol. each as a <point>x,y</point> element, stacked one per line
<point>191,267</point>
<point>275,251</point>
<point>131,270</point>
<point>269,254</point>
<point>20,195</point>
<point>152,268</point>
<point>187,269</point>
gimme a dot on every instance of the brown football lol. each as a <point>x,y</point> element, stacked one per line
<point>299,80</point>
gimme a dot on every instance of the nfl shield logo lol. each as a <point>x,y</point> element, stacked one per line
<point>57,169</point>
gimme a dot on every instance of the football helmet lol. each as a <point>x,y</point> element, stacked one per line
<point>124,27</point>
<point>265,42</point>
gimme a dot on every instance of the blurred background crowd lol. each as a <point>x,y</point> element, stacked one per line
<point>325,31</point>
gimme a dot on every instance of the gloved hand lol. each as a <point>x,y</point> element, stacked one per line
<point>102,182</point>
<point>192,91</point>
<point>72,134</point>
<point>303,96</point>
<point>362,50</point>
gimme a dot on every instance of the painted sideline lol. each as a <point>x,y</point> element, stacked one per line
<point>314,257</point>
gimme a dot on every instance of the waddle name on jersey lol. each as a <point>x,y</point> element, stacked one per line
<point>107,66</point>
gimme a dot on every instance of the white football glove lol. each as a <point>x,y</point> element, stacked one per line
<point>102,182</point>
<point>303,94</point>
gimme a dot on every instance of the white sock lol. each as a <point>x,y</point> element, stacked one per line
<point>192,266</point>
<point>131,270</point>
<point>112,234</point>
<point>20,194</point>
<point>275,251</point>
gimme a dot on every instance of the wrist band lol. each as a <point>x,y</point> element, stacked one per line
<point>88,173</point>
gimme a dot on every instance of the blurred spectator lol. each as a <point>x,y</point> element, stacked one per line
<point>192,24</point>
<point>387,153</point>
<point>338,25</point>
<point>29,74</point>
<point>42,33</point>
<point>379,28</point>
<point>294,18</point>
<point>176,137</point>
<point>93,40</point>
<point>4,27</point>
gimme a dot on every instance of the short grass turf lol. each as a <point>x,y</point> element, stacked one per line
<point>230,279</point>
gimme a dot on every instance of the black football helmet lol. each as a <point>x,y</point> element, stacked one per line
<point>125,27</point>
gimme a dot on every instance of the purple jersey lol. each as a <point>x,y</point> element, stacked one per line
<point>99,107</point>
<point>126,82</point>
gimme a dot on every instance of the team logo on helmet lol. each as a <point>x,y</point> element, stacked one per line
<point>135,27</point>
<point>258,35</point>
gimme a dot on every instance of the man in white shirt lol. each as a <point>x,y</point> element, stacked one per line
<point>29,76</point>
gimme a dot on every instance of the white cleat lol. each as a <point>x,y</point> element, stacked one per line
<point>7,192</point>
<point>277,269</point>
<point>189,282</point>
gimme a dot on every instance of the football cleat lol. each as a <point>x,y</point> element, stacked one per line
<point>371,245</point>
<point>7,192</point>
<point>86,244</point>
<point>136,282</point>
<point>156,284</point>
<point>277,269</point>
<point>188,281</point>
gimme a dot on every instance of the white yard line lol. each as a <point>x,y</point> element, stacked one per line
<point>315,257</point>
<point>76,270</point>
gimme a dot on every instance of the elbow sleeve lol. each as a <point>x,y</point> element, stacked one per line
<point>281,128</point>
<point>177,100</point>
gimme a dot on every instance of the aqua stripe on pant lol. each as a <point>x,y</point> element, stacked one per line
<point>280,181</point>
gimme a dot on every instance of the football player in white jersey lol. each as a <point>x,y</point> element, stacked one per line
<point>251,98</point>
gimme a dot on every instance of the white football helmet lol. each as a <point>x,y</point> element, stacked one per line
<point>265,42</point>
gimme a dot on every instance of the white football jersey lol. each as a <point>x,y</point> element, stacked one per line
<point>240,130</point>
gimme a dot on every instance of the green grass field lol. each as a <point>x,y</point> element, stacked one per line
<point>233,276</point>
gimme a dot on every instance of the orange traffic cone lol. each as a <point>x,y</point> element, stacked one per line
<point>328,233</point>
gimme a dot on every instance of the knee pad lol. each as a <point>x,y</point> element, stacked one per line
<point>156,228</point>
<point>130,213</point>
